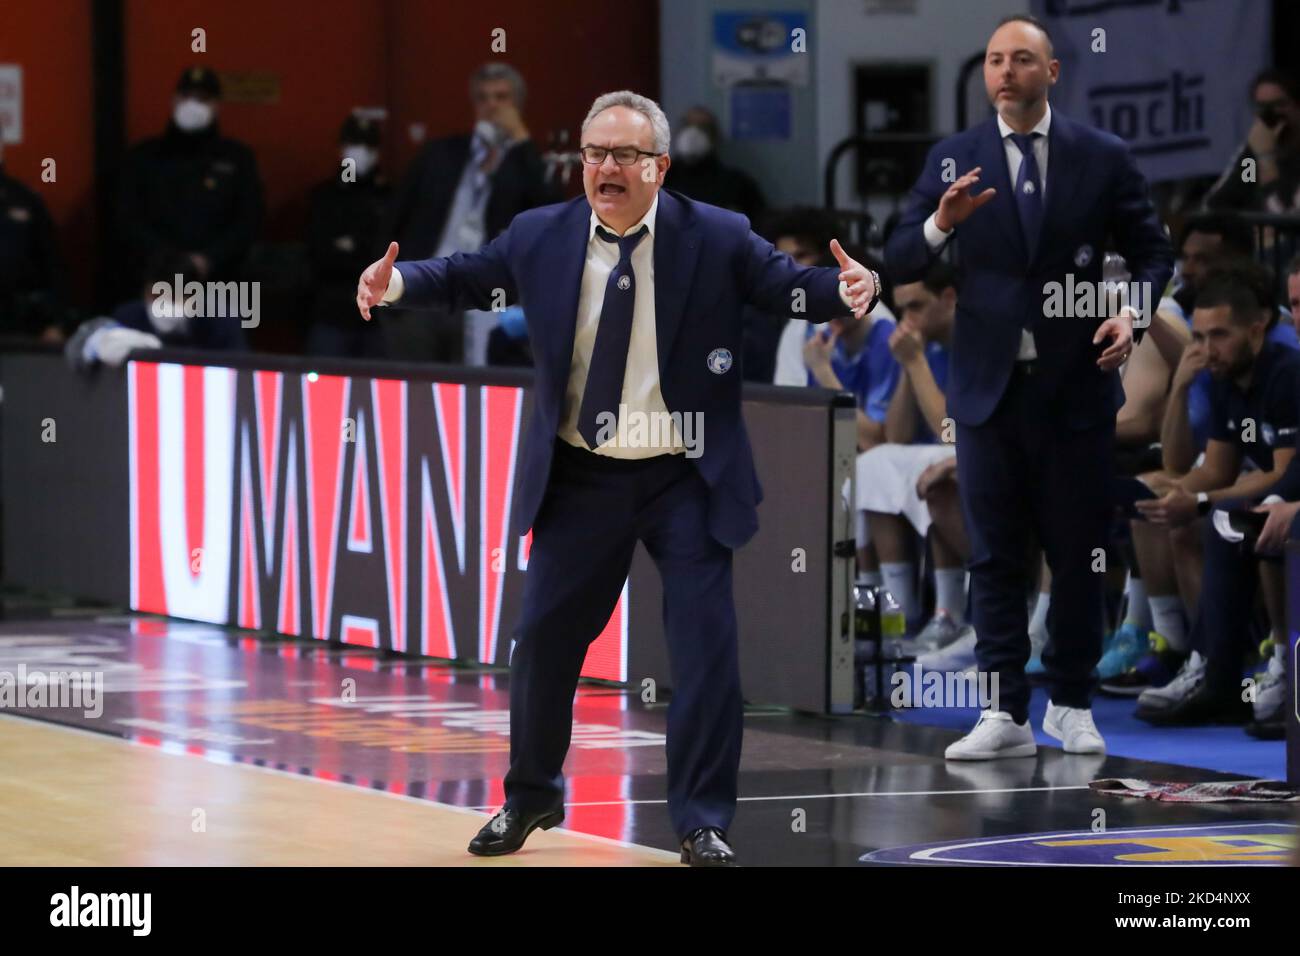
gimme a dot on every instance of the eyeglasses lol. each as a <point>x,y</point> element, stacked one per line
<point>623,155</point>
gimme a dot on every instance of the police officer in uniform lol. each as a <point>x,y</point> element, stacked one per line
<point>343,237</point>
<point>190,190</point>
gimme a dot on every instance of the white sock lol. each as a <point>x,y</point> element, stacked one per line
<point>1168,621</point>
<point>1139,606</point>
<point>1038,623</point>
<point>900,581</point>
<point>871,578</point>
<point>950,592</point>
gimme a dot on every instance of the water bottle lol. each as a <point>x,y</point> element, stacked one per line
<point>866,624</point>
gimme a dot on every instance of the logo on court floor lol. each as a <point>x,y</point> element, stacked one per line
<point>1231,844</point>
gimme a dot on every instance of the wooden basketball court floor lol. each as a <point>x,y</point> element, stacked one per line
<point>213,747</point>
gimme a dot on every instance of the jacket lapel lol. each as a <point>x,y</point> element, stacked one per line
<point>675,255</point>
<point>1064,169</point>
<point>562,263</point>
<point>991,157</point>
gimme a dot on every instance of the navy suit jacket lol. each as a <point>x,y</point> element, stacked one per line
<point>707,266</point>
<point>1094,192</point>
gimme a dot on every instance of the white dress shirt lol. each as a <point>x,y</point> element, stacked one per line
<point>641,395</point>
<point>936,237</point>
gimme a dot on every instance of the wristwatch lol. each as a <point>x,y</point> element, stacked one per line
<point>1203,503</point>
<point>875,295</point>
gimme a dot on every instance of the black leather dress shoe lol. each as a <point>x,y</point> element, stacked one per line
<point>507,831</point>
<point>707,846</point>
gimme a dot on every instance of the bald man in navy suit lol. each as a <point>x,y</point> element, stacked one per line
<point>1034,395</point>
<point>633,297</point>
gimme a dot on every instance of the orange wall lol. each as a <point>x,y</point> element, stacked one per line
<point>411,56</point>
<point>50,40</point>
<point>329,57</point>
<point>569,52</point>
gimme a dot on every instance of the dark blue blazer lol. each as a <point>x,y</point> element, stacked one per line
<point>1094,193</point>
<point>708,265</point>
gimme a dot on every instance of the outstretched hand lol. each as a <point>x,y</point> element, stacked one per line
<point>374,281</point>
<point>861,286</point>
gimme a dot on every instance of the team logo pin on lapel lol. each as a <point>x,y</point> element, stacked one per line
<point>1083,256</point>
<point>624,283</point>
<point>719,361</point>
<point>1029,187</point>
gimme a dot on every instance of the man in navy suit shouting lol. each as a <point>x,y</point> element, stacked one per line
<point>1034,393</point>
<point>633,297</point>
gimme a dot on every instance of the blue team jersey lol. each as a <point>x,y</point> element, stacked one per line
<point>1200,411</point>
<point>936,356</point>
<point>872,374</point>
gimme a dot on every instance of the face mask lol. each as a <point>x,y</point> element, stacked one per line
<point>166,316</point>
<point>692,144</point>
<point>365,158</point>
<point>191,115</point>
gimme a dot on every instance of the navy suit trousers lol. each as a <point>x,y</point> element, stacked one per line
<point>1023,472</point>
<point>595,510</point>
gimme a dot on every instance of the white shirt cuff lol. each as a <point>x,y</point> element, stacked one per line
<point>934,236</point>
<point>395,287</point>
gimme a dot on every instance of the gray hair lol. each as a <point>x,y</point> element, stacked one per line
<point>499,71</point>
<point>643,105</point>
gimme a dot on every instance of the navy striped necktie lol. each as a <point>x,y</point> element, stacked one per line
<point>608,365</point>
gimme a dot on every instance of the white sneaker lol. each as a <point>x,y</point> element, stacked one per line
<point>957,656</point>
<point>941,631</point>
<point>1189,677</point>
<point>1074,728</point>
<point>1271,690</point>
<point>995,735</point>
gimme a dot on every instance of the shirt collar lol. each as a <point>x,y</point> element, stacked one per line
<point>648,220</point>
<point>1043,126</point>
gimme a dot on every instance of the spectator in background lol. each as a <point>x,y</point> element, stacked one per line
<point>889,486</point>
<point>853,355</point>
<point>30,270</point>
<point>1254,415</point>
<point>802,234</point>
<point>1272,148</point>
<point>697,171</point>
<point>156,319</point>
<point>343,237</point>
<point>850,355</point>
<point>191,189</point>
<point>459,193</point>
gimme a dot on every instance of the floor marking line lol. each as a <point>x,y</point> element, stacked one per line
<point>834,796</point>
